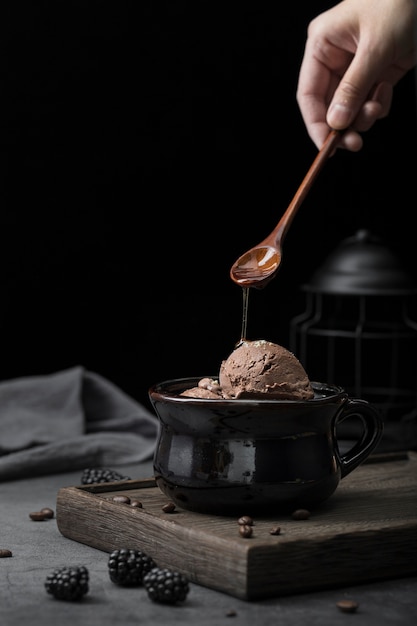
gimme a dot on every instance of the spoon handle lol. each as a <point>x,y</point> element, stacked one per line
<point>325,151</point>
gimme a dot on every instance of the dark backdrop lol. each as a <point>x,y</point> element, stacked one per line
<point>145,146</point>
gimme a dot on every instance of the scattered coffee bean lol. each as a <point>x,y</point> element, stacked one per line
<point>347,606</point>
<point>121,498</point>
<point>231,613</point>
<point>136,503</point>
<point>37,516</point>
<point>4,553</point>
<point>245,520</point>
<point>245,530</point>
<point>275,530</point>
<point>301,514</point>
<point>47,512</point>
<point>169,507</point>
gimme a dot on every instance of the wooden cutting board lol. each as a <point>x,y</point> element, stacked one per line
<point>366,531</point>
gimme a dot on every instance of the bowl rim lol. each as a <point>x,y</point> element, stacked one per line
<point>158,391</point>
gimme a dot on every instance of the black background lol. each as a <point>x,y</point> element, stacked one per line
<point>145,146</point>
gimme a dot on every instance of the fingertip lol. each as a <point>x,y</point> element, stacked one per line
<point>339,116</point>
<point>351,141</point>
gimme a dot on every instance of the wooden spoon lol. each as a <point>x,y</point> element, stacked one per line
<point>257,266</point>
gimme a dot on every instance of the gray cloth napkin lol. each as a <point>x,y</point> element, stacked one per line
<point>70,420</point>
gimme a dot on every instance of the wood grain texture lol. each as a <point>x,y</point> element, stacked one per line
<point>366,531</point>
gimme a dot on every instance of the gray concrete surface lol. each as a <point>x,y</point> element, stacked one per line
<point>38,547</point>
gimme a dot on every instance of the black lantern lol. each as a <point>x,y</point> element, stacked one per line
<point>357,332</point>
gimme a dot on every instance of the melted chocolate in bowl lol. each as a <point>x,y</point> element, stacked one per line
<point>230,457</point>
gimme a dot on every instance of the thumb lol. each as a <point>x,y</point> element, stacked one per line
<point>352,92</point>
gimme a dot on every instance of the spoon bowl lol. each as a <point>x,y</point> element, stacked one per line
<point>257,266</point>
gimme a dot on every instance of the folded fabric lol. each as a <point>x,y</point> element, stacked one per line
<point>70,420</point>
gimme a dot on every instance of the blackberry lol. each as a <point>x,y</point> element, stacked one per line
<point>164,585</point>
<point>127,567</point>
<point>68,583</point>
<point>100,475</point>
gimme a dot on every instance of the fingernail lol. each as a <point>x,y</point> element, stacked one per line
<point>338,115</point>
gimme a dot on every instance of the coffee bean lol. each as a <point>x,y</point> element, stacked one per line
<point>47,512</point>
<point>301,514</point>
<point>245,520</point>
<point>4,553</point>
<point>121,498</point>
<point>275,530</point>
<point>37,516</point>
<point>347,606</point>
<point>245,530</point>
<point>169,507</point>
<point>136,503</point>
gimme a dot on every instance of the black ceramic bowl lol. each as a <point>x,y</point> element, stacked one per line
<point>241,456</point>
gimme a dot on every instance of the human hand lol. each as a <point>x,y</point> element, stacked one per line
<point>355,54</point>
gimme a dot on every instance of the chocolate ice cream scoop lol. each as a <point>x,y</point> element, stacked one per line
<point>264,370</point>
